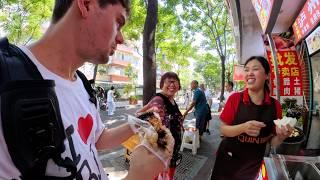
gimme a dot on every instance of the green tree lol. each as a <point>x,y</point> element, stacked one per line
<point>132,74</point>
<point>23,20</point>
<point>210,19</point>
<point>171,45</point>
<point>102,69</point>
<point>149,51</point>
<point>209,67</point>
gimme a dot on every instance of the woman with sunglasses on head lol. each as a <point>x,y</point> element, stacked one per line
<point>164,104</point>
<point>247,125</point>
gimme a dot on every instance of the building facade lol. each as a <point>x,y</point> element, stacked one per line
<point>114,73</point>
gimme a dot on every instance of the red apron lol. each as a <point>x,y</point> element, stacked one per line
<point>240,157</point>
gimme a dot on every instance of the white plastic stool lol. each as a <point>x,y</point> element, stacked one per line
<point>193,135</point>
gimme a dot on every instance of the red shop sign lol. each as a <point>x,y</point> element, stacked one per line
<point>307,19</point>
<point>289,73</point>
<point>238,73</point>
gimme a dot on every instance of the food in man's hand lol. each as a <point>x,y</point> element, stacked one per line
<point>158,138</point>
<point>285,121</point>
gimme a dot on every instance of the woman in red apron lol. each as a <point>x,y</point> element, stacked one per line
<point>247,125</point>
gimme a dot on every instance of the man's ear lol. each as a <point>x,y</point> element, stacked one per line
<point>84,7</point>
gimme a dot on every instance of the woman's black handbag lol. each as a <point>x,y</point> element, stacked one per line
<point>209,117</point>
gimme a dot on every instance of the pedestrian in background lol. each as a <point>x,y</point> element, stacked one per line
<point>227,93</point>
<point>199,102</point>
<point>110,101</point>
<point>186,98</point>
<point>208,95</point>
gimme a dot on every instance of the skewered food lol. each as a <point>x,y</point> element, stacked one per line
<point>157,138</point>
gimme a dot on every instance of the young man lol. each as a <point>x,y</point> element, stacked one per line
<point>81,31</point>
<point>110,101</point>
<point>227,93</point>
<point>199,101</point>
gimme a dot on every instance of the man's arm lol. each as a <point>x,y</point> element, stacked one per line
<point>189,109</point>
<point>210,102</point>
<point>111,138</point>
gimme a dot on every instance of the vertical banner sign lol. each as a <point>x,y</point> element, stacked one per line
<point>308,18</point>
<point>289,73</point>
<point>263,9</point>
<point>238,73</point>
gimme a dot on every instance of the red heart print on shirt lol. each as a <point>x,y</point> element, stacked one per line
<point>85,127</point>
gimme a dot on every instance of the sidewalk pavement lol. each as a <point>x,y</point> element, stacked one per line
<point>114,164</point>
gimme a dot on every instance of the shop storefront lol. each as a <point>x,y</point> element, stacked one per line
<point>289,37</point>
<point>307,38</point>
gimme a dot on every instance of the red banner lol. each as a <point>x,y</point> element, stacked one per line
<point>289,73</point>
<point>238,73</point>
<point>307,19</point>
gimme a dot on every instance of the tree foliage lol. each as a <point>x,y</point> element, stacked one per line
<point>172,46</point>
<point>209,67</point>
<point>211,20</point>
<point>23,20</point>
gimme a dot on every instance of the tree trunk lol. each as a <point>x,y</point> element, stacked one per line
<point>223,70</point>
<point>149,56</point>
<point>95,72</point>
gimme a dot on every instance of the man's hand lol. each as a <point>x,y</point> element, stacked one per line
<point>147,161</point>
<point>144,165</point>
<point>253,127</point>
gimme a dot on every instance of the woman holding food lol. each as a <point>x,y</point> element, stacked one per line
<point>247,125</point>
<point>164,104</point>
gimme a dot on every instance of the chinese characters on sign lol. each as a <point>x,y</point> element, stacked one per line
<point>307,19</point>
<point>289,74</point>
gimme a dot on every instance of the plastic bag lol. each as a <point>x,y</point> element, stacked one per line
<point>149,139</point>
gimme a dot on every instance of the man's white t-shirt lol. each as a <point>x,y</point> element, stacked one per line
<point>76,111</point>
<point>208,94</point>
<point>227,95</point>
<point>110,96</point>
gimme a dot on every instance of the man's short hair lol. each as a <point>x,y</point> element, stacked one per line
<point>230,83</point>
<point>196,82</point>
<point>62,6</point>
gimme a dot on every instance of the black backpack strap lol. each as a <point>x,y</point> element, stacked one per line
<point>88,87</point>
<point>15,65</point>
<point>30,115</point>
